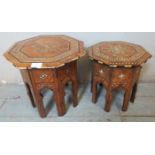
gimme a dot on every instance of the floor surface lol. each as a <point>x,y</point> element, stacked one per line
<point>16,107</point>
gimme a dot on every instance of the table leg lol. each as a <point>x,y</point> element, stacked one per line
<point>39,103</point>
<point>75,92</point>
<point>108,100</point>
<point>91,83</point>
<point>133,95</point>
<point>94,91</point>
<point>30,94</point>
<point>59,97</point>
<point>127,96</point>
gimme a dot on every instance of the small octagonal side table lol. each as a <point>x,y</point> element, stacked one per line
<point>117,65</point>
<point>48,62</point>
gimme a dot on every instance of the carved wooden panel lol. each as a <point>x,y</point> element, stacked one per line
<point>53,79</point>
<point>51,50</point>
<point>117,65</point>
<point>102,72</point>
<point>42,75</point>
<point>122,77</point>
<point>48,62</point>
<point>64,72</point>
<point>119,54</point>
<point>115,78</point>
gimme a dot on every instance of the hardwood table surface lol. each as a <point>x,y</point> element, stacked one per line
<point>48,51</point>
<point>116,65</point>
<point>119,53</point>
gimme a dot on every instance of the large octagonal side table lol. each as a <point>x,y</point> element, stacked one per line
<point>47,62</point>
<point>117,65</point>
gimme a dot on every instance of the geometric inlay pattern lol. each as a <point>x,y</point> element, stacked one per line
<point>119,53</point>
<point>50,50</point>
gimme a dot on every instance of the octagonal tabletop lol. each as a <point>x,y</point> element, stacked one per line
<point>119,53</point>
<point>49,51</point>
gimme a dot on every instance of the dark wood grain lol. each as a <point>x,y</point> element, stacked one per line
<point>116,65</point>
<point>115,79</point>
<point>48,61</point>
<point>52,51</point>
<point>54,79</point>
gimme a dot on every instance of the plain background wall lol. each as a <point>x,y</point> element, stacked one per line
<point>10,74</point>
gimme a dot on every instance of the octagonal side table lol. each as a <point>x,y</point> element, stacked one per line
<point>47,62</point>
<point>117,65</point>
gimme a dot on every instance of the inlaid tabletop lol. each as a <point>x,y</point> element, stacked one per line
<point>49,51</point>
<point>119,53</point>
